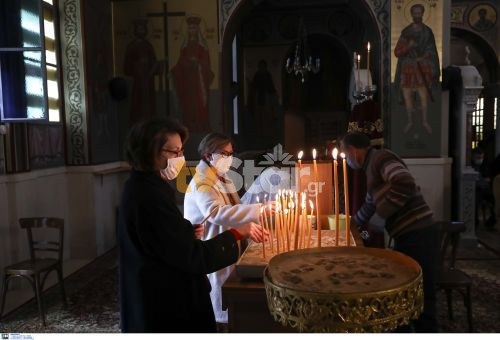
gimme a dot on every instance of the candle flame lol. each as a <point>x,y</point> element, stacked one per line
<point>257,199</point>
<point>301,153</point>
<point>342,155</point>
<point>359,57</point>
<point>314,153</point>
<point>335,153</point>
<point>368,46</point>
<point>311,204</point>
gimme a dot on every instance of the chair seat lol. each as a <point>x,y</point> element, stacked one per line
<point>449,278</point>
<point>30,267</point>
<point>48,237</point>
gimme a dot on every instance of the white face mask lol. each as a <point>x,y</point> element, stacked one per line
<point>221,163</point>
<point>173,168</point>
<point>353,164</point>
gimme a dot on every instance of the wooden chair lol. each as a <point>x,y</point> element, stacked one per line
<point>450,278</point>
<point>38,266</point>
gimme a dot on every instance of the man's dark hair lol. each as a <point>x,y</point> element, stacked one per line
<point>416,6</point>
<point>146,138</point>
<point>358,140</point>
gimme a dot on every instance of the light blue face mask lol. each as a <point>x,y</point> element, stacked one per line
<point>352,164</point>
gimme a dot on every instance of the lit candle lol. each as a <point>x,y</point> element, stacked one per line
<point>355,68</point>
<point>296,221</point>
<point>346,198</point>
<point>263,235</point>
<point>368,65</point>
<point>282,220</point>
<point>268,226</point>
<point>309,229</point>
<point>359,78</point>
<point>276,225</point>
<point>303,221</point>
<point>318,224</point>
<point>299,156</point>
<point>287,227</point>
<point>336,192</point>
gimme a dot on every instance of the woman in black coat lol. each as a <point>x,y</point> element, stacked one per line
<point>163,267</point>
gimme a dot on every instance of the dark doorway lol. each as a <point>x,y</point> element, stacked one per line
<point>318,106</point>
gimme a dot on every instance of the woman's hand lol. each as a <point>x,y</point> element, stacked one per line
<point>199,230</point>
<point>270,207</point>
<point>253,231</point>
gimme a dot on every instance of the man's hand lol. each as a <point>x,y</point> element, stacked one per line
<point>377,223</point>
<point>199,230</point>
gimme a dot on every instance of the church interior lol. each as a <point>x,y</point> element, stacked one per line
<point>278,77</point>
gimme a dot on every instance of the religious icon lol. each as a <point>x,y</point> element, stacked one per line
<point>263,100</point>
<point>142,66</point>
<point>417,68</point>
<point>192,76</point>
<point>482,17</point>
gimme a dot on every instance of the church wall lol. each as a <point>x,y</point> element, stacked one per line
<point>86,197</point>
<point>105,137</point>
<point>433,177</point>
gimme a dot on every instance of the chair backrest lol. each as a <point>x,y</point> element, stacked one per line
<point>450,236</point>
<point>46,244</point>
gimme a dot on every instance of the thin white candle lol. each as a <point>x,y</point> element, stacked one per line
<point>359,78</point>
<point>318,224</point>
<point>263,235</point>
<point>299,156</point>
<point>368,65</point>
<point>336,192</point>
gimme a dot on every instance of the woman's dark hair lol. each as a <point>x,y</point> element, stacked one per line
<point>146,138</point>
<point>213,142</point>
<point>358,140</point>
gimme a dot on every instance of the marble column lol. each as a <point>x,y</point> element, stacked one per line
<point>472,87</point>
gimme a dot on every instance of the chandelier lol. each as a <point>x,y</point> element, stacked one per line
<point>302,60</point>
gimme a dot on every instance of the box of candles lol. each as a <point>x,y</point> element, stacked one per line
<point>298,224</point>
<point>252,262</point>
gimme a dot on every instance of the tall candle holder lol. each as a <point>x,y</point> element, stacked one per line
<point>363,92</point>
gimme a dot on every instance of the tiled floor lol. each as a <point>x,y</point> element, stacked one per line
<point>93,296</point>
<point>21,292</point>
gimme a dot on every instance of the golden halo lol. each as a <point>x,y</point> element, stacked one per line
<point>408,17</point>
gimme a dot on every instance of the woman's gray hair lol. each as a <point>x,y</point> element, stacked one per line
<point>213,142</point>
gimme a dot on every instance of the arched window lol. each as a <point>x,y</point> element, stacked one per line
<point>478,123</point>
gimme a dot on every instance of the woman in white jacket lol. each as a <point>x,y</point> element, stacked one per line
<point>211,193</point>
